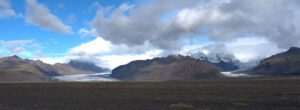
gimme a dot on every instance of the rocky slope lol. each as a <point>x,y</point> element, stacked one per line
<point>286,63</point>
<point>167,68</point>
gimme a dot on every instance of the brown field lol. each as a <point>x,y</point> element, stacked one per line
<point>226,94</point>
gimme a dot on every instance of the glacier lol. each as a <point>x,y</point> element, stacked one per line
<point>95,77</point>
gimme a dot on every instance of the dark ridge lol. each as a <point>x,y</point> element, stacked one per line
<point>282,64</point>
<point>15,56</point>
<point>294,50</point>
<point>86,66</point>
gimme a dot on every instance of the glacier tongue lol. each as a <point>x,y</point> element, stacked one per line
<point>85,78</point>
<point>230,74</point>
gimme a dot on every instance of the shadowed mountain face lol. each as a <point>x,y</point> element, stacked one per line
<point>168,68</point>
<point>86,66</point>
<point>16,69</point>
<point>78,67</point>
<point>286,63</point>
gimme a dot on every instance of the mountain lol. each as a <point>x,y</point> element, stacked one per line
<point>286,63</point>
<point>222,59</point>
<point>14,68</point>
<point>86,66</point>
<point>78,67</point>
<point>173,67</point>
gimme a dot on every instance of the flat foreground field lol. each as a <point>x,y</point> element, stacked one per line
<point>227,94</point>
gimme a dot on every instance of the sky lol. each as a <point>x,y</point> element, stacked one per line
<point>114,32</point>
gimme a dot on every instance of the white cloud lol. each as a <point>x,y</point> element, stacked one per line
<point>100,46</point>
<point>39,15</point>
<point>53,60</point>
<point>253,48</point>
<point>15,46</point>
<point>24,48</point>
<point>244,49</point>
<point>106,61</point>
<point>192,18</point>
<point>106,54</point>
<point>92,48</point>
<point>5,10</point>
<point>112,61</point>
<point>5,13</point>
<point>87,33</point>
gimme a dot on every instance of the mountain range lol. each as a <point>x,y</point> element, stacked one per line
<point>14,68</point>
<point>282,64</point>
<point>173,67</point>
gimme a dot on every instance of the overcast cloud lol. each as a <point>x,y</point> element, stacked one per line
<point>274,20</point>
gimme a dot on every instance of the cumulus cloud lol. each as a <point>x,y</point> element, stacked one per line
<point>92,48</point>
<point>39,15</point>
<point>54,59</point>
<point>5,10</point>
<point>275,20</point>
